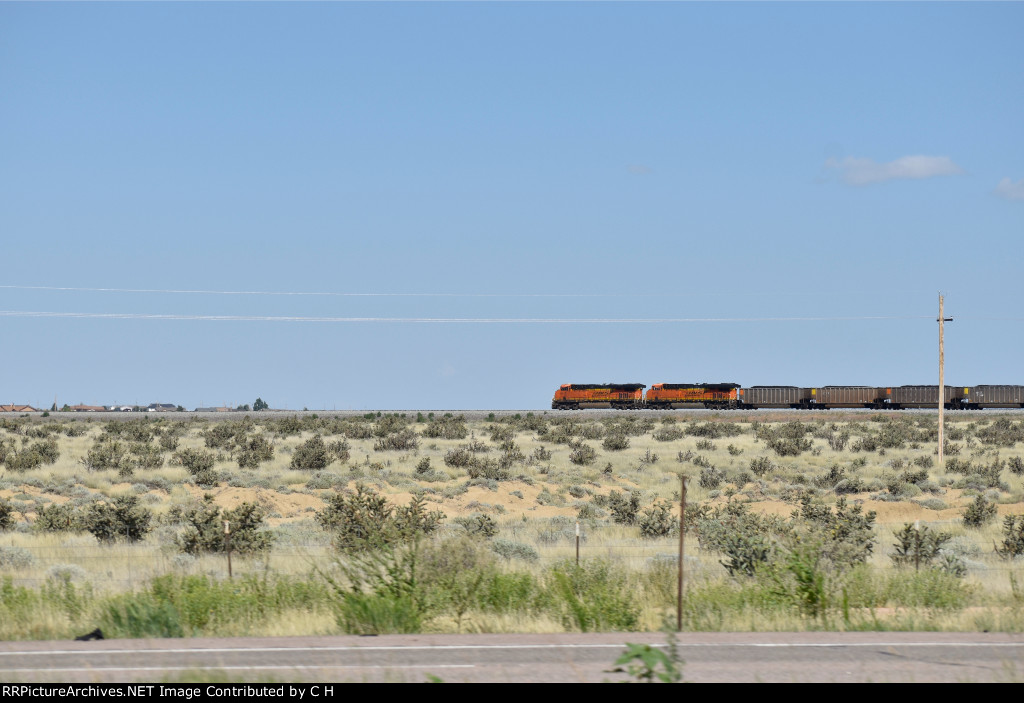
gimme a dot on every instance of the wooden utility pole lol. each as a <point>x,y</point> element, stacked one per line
<point>682,533</point>
<point>942,371</point>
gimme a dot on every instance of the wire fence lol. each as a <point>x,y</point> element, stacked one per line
<point>126,567</point>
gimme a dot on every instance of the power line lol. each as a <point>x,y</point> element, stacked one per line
<point>474,320</point>
<point>421,294</point>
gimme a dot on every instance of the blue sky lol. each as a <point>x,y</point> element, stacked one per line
<point>562,161</point>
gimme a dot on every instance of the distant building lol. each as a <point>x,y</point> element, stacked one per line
<point>88,408</point>
<point>12,408</point>
<point>161,407</point>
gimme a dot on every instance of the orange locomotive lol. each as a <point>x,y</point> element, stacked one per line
<point>681,395</point>
<point>572,396</point>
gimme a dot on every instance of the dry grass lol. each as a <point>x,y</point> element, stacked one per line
<point>537,507</point>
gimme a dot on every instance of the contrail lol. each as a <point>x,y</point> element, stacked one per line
<point>474,320</point>
<point>324,293</point>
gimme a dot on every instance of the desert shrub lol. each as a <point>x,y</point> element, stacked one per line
<point>829,480</point>
<point>226,434</point>
<point>846,535</point>
<point>6,514</point>
<point>1002,432</point>
<point>501,433</point>
<point>447,427</point>
<point>649,457</point>
<point>403,440</point>
<point>476,446</point>
<point>741,536</point>
<point>540,454</point>
<point>705,445</point>
<point>13,557</point>
<point>959,466</point>
<point>389,424</point>
<point>511,454</point>
<point>479,525</point>
<point>924,461</point>
<point>850,485</point>
<point>66,574</point>
<point>254,451</point>
<point>365,520</point>
<point>321,480</point>
<point>624,508</point>
<point>199,463</point>
<point>615,442</point>
<point>204,531</point>
<point>933,503</point>
<point>1013,537</point>
<point>145,456</point>
<point>658,520</point>
<point>713,430</point>
<point>340,449</point>
<point>837,441</point>
<point>979,513</point>
<point>108,453</point>
<point>710,477</point>
<point>917,546</point>
<point>629,426</point>
<point>1016,465</point>
<point>459,457</point>
<point>582,454</point>
<point>121,518</point>
<point>486,468</point>
<point>789,446</point>
<point>168,442</point>
<point>44,451</point>
<point>592,430</point>
<point>514,550</point>
<point>867,443</point>
<point>668,433</point>
<point>59,517</point>
<point>311,455</point>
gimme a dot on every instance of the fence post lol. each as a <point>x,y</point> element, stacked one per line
<point>227,546</point>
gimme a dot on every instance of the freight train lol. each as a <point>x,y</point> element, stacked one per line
<point>732,396</point>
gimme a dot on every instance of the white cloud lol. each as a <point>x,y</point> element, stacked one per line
<point>1010,190</point>
<point>859,172</point>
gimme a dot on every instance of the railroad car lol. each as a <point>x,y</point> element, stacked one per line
<point>624,396</point>
<point>775,397</point>
<point>977,397</point>
<point>849,397</point>
<point>682,395</point>
<point>733,396</point>
<point>924,397</point>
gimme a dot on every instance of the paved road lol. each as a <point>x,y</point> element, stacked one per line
<point>709,657</point>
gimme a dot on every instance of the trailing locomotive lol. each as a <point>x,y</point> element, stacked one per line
<point>681,395</point>
<point>727,396</point>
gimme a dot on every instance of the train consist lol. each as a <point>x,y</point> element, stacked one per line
<point>726,396</point>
